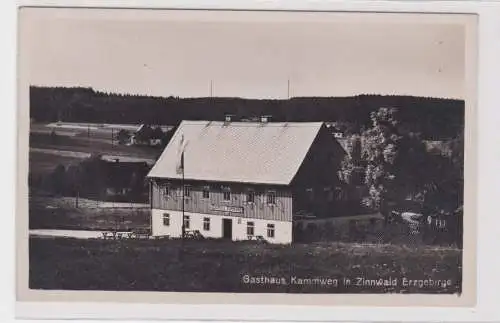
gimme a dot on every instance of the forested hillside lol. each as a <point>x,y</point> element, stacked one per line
<point>435,119</point>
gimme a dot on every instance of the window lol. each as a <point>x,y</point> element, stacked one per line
<point>166,219</point>
<point>187,191</point>
<point>270,230</point>
<point>338,193</point>
<point>186,221</point>
<point>226,194</point>
<point>206,192</point>
<point>206,224</point>
<point>250,228</point>
<point>440,223</point>
<point>167,191</point>
<point>250,197</point>
<point>271,197</point>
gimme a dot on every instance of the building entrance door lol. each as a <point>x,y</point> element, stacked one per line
<point>227,228</point>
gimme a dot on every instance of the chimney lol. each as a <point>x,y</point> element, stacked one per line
<point>265,119</point>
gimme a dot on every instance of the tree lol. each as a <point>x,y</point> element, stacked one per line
<point>457,159</point>
<point>93,175</point>
<point>144,134</point>
<point>444,193</point>
<point>157,133</point>
<point>58,179</point>
<point>352,166</point>
<point>379,151</point>
<point>399,167</point>
<point>74,179</point>
<point>123,136</point>
<point>168,135</point>
<point>457,147</point>
<point>135,183</point>
<point>415,166</point>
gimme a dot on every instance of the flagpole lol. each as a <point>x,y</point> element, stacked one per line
<point>180,168</point>
<point>183,192</point>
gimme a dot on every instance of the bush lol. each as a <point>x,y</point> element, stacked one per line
<point>57,180</point>
<point>375,230</point>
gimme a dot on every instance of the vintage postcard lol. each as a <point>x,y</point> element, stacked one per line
<point>205,156</point>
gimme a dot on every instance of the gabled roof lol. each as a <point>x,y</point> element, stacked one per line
<point>140,128</point>
<point>250,152</point>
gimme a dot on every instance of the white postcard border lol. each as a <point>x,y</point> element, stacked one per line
<point>489,14</point>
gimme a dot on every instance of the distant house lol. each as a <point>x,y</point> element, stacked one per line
<point>240,180</point>
<point>334,130</point>
<point>438,147</point>
<point>156,137</point>
<point>142,135</point>
<point>146,135</point>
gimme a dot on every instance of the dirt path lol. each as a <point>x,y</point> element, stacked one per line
<point>79,234</point>
<point>82,155</point>
<point>69,202</point>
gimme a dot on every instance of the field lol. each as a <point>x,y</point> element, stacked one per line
<point>61,213</point>
<point>75,141</point>
<point>41,163</point>
<point>221,266</point>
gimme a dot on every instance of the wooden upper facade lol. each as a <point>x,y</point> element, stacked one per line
<point>246,201</point>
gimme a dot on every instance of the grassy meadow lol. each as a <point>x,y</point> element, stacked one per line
<point>75,142</point>
<point>61,213</point>
<point>222,266</point>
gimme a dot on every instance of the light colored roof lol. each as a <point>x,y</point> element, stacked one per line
<point>140,128</point>
<point>251,152</point>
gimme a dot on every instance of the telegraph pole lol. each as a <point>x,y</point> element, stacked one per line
<point>288,89</point>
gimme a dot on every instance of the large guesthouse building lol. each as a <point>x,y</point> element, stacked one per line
<point>241,180</point>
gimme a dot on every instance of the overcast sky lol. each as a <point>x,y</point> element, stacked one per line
<point>177,53</point>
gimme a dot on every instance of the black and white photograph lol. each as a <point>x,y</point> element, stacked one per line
<point>245,152</point>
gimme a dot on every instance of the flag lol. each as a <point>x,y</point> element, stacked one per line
<point>180,167</point>
<point>180,163</point>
